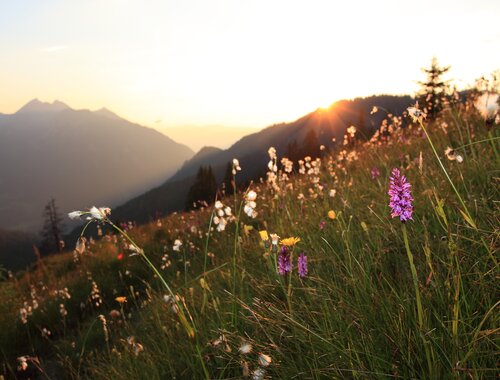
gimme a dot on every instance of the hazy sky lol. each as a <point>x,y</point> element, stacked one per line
<point>234,62</point>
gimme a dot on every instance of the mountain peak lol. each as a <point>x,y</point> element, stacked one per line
<point>36,105</point>
<point>106,113</point>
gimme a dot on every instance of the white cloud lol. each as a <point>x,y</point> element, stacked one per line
<point>52,49</point>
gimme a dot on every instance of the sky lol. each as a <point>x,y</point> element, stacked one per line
<point>234,63</point>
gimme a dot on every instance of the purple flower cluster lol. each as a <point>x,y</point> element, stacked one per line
<point>285,263</point>
<point>375,172</point>
<point>401,199</point>
<point>302,265</point>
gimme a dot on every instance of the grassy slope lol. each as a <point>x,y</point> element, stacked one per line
<point>354,316</point>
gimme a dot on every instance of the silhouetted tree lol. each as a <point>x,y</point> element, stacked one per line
<point>310,147</point>
<point>433,90</point>
<point>203,188</point>
<point>363,131</point>
<point>51,234</point>
<point>293,152</point>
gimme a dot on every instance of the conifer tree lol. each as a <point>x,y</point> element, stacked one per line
<point>203,188</point>
<point>52,239</point>
<point>434,90</point>
<point>310,146</point>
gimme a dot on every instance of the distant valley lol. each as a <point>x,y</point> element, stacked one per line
<point>78,157</point>
<point>197,137</point>
<point>84,158</point>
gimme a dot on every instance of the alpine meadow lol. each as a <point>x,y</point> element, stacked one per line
<point>359,240</point>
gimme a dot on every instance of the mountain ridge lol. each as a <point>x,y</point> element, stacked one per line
<point>251,150</point>
<point>51,150</point>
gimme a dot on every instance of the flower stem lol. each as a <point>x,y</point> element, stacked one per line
<point>466,212</point>
<point>420,312</point>
<point>446,173</point>
<point>182,317</point>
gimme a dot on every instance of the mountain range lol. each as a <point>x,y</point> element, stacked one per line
<point>251,151</point>
<point>84,158</point>
<point>78,157</point>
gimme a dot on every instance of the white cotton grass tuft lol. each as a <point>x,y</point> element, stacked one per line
<point>487,105</point>
<point>99,213</point>
<point>264,360</point>
<point>258,374</point>
<point>177,245</point>
<point>236,166</point>
<point>245,348</point>
<point>416,113</point>
<point>75,215</point>
<point>453,156</point>
<point>250,204</point>
<point>96,213</point>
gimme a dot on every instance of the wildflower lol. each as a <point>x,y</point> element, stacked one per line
<point>452,156</point>
<point>274,239</point>
<point>95,295</point>
<point>136,347</point>
<point>102,318</point>
<point>250,204</point>
<point>264,360</point>
<point>258,374</point>
<point>177,245</point>
<point>331,214</point>
<point>415,113</point>
<point>120,256</point>
<point>236,166</point>
<point>287,164</point>
<point>290,242</point>
<point>332,193</point>
<point>302,265</point>
<point>487,105</point>
<point>264,235</point>
<point>221,224</point>
<point>400,196</point>
<point>80,245</point>
<point>22,363</point>
<point>223,215</point>
<point>46,333</point>
<point>245,348</point>
<point>272,153</point>
<point>135,250</point>
<point>23,315</point>
<point>322,225</point>
<point>251,195</point>
<point>115,314</point>
<point>375,172</point>
<point>121,300</point>
<point>284,262</point>
<point>100,213</point>
<point>75,215</point>
<point>62,310</point>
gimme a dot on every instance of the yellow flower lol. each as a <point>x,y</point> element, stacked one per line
<point>331,214</point>
<point>263,235</point>
<point>291,241</point>
<point>121,299</point>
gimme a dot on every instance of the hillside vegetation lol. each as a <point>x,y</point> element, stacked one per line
<point>209,294</point>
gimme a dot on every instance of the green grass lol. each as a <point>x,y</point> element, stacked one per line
<point>354,316</point>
